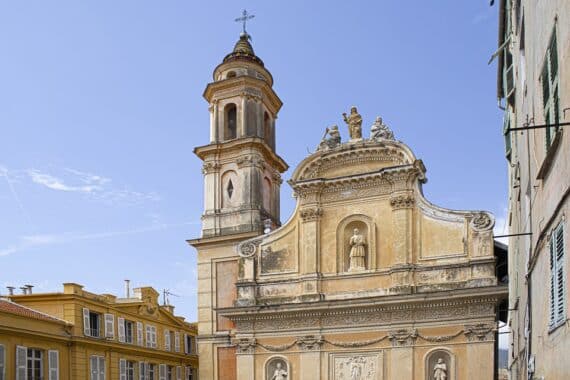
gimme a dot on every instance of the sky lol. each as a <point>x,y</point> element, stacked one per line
<point>101,106</point>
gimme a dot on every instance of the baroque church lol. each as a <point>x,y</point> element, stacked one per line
<point>367,280</point>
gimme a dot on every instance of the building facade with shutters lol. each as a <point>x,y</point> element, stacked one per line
<point>534,91</point>
<point>366,280</point>
<point>106,337</point>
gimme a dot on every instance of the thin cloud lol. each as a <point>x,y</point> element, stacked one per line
<point>4,172</point>
<point>40,240</point>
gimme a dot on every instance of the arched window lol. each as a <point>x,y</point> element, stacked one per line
<point>231,74</point>
<point>230,130</point>
<point>267,128</point>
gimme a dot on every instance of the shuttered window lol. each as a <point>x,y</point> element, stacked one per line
<point>97,367</point>
<point>189,374</point>
<point>2,362</point>
<point>167,340</point>
<point>177,341</point>
<point>162,372</point>
<point>178,373</point>
<point>140,337</point>
<point>91,323</point>
<point>550,89</point>
<point>121,329</point>
<point>109,326</point>
<point>142,370</point>
<point>122,369</point>
<point>21,358</point>
<point>557,277</point>
<point>34,364</point>
<point>53,363</point>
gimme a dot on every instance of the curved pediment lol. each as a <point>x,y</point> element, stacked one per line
<point>352,159</point>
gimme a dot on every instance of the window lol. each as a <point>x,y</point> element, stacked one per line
<point>151,336</point>
<point>230,130</point>
<point>169,371</point>
<point>267,129</point>
<point>2,362</point>
<point>190,375</point>
<point>97,367</point>
<point>91,323</point>
<point>151,371</point>
<point>557,277</point>
<point>140,333</point>
<point>167,340</point>
<point>507,133</point>
<point>143,370</point>
<point>130,370</point>
<point>129,327</point>
<point>53,365</point>
<point>176,341</point>
<point>34,364</point>
<point>189,344</point>
<point>550,95</point>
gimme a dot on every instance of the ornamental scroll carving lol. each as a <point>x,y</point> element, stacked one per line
<point>210,167</point>
<point>310,214</point>
<point>482,221</point>
<point>479,332</point>
<point>248,248</point>
<point>402,201</point>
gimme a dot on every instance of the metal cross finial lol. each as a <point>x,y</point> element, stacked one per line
<point>243,19</point>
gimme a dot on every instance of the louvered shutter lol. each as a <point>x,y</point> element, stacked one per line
<point>101,368</point>
<point>142,371</point>
<point>122,369</point>
<point>140,337</point>
<point>178,373</point>
<point>94,367</point>
<point>560,288</point>
<point>2,362</point>
<point>147,367</point>
<point>162,372</point>
<point>148,337</point>
<point>86,327</point>
<point>186,343</point>
<point>109,326</point>
<point>552,282</point>
<point>167,340</point>
<point>121,329</point>
<point>177,341</point>
<point>21,361</point>
<point>53,364</point>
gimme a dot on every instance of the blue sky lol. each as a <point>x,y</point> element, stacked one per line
<point>101,105</point>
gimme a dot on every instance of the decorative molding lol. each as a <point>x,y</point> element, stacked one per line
<point>310,342</point>
<point>248,248</point>
<point>403,337</point>
<point>210,167</point>
<point>402,201</point>
<point>479,332</point>
<point>249,161</point>
<point>245,345</point>
<point>310,214</point>
<point>482,221</point>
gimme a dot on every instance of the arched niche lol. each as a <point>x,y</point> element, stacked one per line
<point>230,121</point>
<point>277,365</point>
<point>344,232</point>
<point>267,191</point>
<point>230,189</point>
<point>444,360</point>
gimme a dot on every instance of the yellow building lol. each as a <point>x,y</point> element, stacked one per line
<point>81,335</point>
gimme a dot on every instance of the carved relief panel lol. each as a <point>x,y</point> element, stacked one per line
<point>356,366</point>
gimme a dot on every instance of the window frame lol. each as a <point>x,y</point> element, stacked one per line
<point>551,104</point>
<point>94,316</point>
<point>32,361</point>
<point>126,324</point>
<point>558,282</point>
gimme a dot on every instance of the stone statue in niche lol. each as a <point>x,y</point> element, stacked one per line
<point>357,255</point>
<point>277,369</point>
<point>354,122</point>
<point>440,370</point>
<point>380,131</point>
<point>332,141</point>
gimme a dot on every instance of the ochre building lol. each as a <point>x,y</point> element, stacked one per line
<point>366,280</point>
<point>81,335</point>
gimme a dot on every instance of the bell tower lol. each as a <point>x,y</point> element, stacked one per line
<point>242,172</point>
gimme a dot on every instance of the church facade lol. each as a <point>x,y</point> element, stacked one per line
<point>366,280</point>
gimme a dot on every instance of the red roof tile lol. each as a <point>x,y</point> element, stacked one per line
<point>8,306</point>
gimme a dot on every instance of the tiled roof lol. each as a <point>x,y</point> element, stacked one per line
<point>7,306</point>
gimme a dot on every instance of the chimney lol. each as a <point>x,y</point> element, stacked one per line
<point>24,290</point>
<point>10,290</point>
<point>128,288</point>
<point>29,288</point>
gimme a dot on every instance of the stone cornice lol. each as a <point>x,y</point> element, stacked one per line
<point>239,145</point>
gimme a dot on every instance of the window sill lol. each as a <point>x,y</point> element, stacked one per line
<point>549,159</point>
<point>552,329</point>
